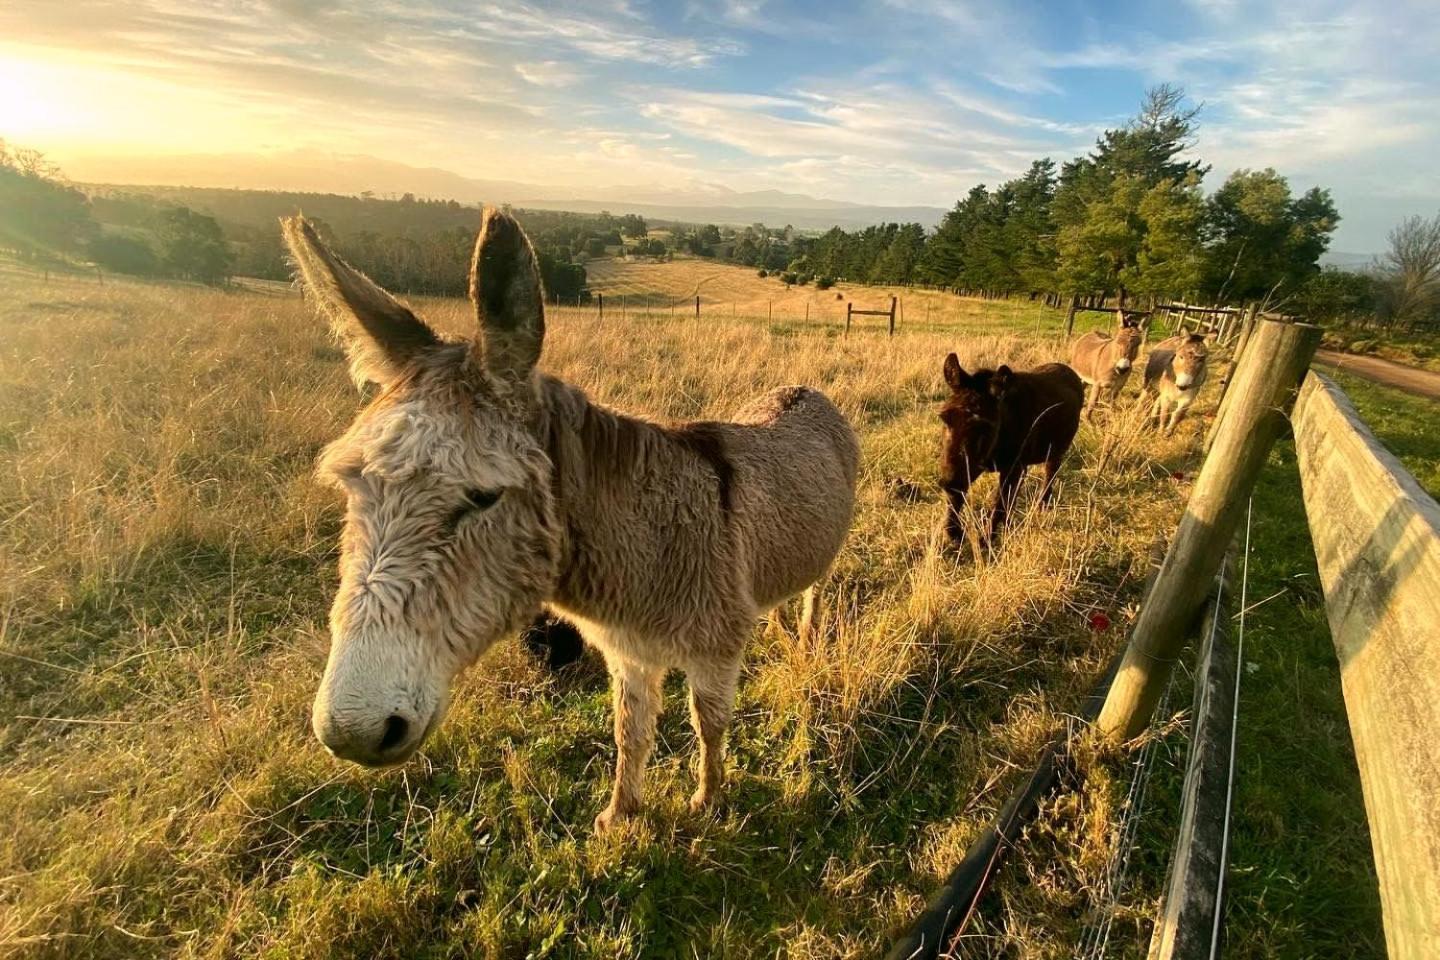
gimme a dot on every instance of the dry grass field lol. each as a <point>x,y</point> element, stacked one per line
<point>165,572</point>
<point>730,291</point>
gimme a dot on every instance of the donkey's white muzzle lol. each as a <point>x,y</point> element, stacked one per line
<point>1122,364</point>
<point>1183,380</point>
<point>373,707</point>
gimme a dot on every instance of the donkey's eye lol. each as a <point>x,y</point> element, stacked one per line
<point>481,499</point>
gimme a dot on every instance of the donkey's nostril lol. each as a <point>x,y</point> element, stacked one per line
<point>396,728</point>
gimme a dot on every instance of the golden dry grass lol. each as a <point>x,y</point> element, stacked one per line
<point>730,291</point>
<point>166,563</point>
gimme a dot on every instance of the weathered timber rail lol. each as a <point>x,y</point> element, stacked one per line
<point>1189,913</point>
<point>850,312</point>
<point>1377,542</point>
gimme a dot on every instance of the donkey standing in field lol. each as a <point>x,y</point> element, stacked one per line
<point>1174,372</point>
<point>1104,361</point>
<point>478,489</point>
<point>1004,421</point>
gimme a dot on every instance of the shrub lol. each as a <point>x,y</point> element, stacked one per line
<point>788,277</point>
<point>124,254</point>
<point>762,273</point>
<point>824,283</point>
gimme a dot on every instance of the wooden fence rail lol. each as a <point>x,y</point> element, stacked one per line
<point>1377,541</point>
<point>1186,928</point>
<point>850,312</point>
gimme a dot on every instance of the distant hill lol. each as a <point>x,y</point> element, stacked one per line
<point>313,171</point>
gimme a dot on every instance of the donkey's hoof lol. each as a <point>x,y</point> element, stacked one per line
<point>610,818</point>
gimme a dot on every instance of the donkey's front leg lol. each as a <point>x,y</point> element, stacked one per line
<point>637,690</point>
<point>712,701</point>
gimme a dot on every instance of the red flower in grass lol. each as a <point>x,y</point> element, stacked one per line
<point>1099,622</point>
<point>1177,475</point>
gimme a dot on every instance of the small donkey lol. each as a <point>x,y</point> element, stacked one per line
<point>1004,421</point>
<point>1104,362</point>
<point>1174,372</point>
<point>478,489</point>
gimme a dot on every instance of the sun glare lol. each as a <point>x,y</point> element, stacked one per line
<point>63,104</point>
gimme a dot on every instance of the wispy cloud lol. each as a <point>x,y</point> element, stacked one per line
<point>899,101</point>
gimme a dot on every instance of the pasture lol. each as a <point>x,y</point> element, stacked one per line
<point>730,291</point>
<point>168,563</point>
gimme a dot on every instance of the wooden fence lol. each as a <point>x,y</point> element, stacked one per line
<point>1377,541</point>
<point>850,311</point>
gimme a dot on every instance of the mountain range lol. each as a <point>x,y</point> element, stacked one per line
<point>315,171</point>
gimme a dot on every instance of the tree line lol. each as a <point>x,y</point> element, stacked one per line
<point>1127,222</point>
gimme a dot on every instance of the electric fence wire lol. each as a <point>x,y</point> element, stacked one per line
<point>1234,730</point>
<point>1095,939</point>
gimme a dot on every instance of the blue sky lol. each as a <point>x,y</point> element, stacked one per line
<point>889,101</point>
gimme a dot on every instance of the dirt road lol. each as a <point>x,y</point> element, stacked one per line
<point>1423,383</point>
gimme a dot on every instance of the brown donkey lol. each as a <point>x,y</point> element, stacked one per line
<point>1104,361</point>
<point>1005,421</point>
<point>1174,372</point>
<point>478,489</point>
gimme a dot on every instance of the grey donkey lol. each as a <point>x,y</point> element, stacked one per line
<point>1174,372</point>
<point>1104,362</point>
<point>479,490</point>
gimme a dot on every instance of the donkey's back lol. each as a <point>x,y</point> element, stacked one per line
<point>795,461</point>
<point>1088,357</point>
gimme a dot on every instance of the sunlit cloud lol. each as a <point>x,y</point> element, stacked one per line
<point>902,101</point>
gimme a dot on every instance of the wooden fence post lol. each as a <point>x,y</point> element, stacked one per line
<point>1245,331</point>
<point>1377,545</point>
<point>849,309</point>
<point>892,316</point>
<point>1070,315</point>
<point>1264,390</point>
<point>697,306</point>
<point>600,302</point>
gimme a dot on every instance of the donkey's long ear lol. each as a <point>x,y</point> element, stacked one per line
<point>380,333</point>
<point>510,308</point>
<point>955,374</point>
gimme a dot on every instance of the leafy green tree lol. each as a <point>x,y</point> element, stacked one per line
<point>1338,296</point>
<point>1030,228</point>
<point>1170,259</point>
<point>124,254</point>
<point>1262,242</point>
<point>192,246</point>
<point>1099,250</point>
<point>1097,202</point>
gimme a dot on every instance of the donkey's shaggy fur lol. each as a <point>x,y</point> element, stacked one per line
<point>1104,362</point>
<point>1174,372</point>
<point>1005,421</point>
<point>479,490</point>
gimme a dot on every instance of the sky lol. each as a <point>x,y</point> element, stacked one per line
<point>886,102</point>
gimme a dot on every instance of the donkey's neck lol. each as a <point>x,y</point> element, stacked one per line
<point>616,480</point>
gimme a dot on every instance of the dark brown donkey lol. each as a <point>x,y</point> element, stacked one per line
<point>1005,421</point>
